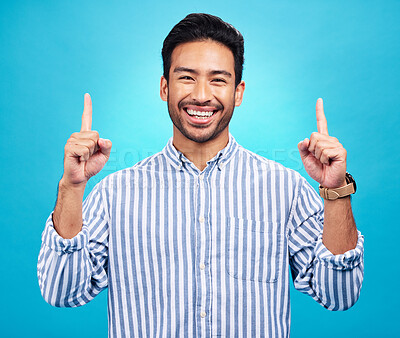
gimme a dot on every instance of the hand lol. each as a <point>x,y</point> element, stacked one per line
<point>324,158</point>
<point>85,153</point>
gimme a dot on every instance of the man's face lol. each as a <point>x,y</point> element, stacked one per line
<point>201,92</point>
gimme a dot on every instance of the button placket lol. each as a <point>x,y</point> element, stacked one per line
<point>202,224</point>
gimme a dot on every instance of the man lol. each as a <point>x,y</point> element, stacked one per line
<point>197,240</point>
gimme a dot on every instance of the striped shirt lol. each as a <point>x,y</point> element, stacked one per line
<point>193,253</point>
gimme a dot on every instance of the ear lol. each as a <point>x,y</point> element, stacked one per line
<point>163,88</point>
<point>239,93</point>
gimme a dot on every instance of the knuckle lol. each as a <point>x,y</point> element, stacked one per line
<point>91,150</point>
<point>70,145</point>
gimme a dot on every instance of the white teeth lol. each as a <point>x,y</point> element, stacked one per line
<point>199,114</point>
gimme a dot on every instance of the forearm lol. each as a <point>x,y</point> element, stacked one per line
<point>332,279</point>
<point>318,269</point>
<point>73,271</point>
<point>340,231</point>
<point>67,216</point>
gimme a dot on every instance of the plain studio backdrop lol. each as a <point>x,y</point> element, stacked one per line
<point>52,52</point>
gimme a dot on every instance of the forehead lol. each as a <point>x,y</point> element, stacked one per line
<point>203,56</point>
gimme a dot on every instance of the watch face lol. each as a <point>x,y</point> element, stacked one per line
<point>350,179</point>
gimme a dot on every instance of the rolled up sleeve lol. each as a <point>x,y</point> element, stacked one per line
<point>61,245</point>
<point>71,272</point>
<point>334,281</point>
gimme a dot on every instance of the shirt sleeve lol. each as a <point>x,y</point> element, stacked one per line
<point>72,272</point>
<point>334,281</point>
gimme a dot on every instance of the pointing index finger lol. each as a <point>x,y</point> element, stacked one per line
<point>322,124</point>
<point>87,114</point>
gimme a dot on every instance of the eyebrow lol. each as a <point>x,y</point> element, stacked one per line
<point>193,71</point>
<point>220,72</point>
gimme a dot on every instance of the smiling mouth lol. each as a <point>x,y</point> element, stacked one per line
<point>200,114</point>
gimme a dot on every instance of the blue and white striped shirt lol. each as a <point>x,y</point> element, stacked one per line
<point>188,253</point>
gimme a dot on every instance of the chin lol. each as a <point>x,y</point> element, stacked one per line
<point>201,137</point>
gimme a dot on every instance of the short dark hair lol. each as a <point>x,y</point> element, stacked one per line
<point>200,27</point>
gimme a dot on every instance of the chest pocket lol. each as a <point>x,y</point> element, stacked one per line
<point>254,250</point>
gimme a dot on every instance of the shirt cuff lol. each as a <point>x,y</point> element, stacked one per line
<point>54,241</point>
<point>346,261</point>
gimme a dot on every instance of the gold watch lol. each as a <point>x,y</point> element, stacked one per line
<point>333,194</point>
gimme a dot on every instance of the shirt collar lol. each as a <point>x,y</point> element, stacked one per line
<point>179,161</point>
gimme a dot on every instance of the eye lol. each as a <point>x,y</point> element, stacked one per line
<point>185,77</point>
<point>219,80</point>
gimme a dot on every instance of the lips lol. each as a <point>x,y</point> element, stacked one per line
<point>201,115</point>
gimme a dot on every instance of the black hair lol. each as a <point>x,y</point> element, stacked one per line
<point>199,27</point>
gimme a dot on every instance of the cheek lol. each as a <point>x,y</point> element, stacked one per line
<point>225,96</point>
<point>178,93</point>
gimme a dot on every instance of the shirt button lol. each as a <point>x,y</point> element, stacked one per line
<point>203,314</point>
<point>201,177</point>
<point>202,266</point>
<point>201,219</point>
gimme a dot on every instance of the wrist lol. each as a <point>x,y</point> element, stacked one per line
<point>343,183</point>
<point>64,185</point>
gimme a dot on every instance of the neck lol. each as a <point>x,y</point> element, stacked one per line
<point>200,153</point>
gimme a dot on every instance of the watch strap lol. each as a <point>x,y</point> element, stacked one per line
<point>333,194</point>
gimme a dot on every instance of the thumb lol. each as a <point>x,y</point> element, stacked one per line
<point>303,148</point>
<point>105,146</point>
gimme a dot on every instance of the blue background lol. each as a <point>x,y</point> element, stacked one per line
<point>52,52</point>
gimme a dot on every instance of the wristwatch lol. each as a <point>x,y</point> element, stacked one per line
<point>333,194</point>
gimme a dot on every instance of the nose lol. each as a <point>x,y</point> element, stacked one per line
<point>202,91</point>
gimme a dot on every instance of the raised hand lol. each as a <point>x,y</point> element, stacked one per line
<point>85,154</point>
<point>324,158</point>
